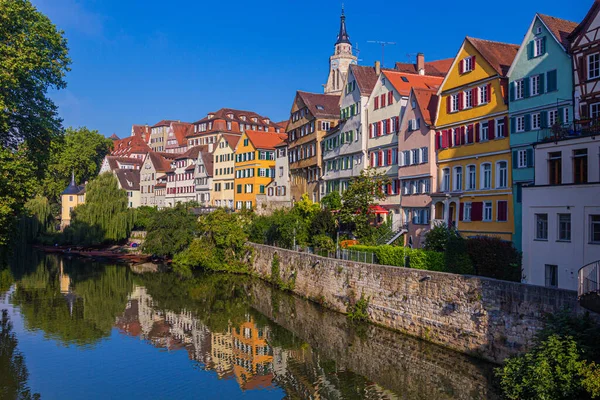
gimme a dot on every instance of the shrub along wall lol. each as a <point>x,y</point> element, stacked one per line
<point>406,257</point>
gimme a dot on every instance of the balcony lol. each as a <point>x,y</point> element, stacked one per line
<point>588,288</point>
<point>588,127</point>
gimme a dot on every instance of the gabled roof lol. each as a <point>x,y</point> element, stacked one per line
<point>160,162</point>
<point>586,20</point>
<point>232,140</point>
<point>132,144</point>
<point>365,77</point>
<point>140,130</point>
<point>207,161</point>
<point>432,68</point>
<point>236,115</point>
<point>164,122</point>
<point>129,178</point>
<point>114,137</point>
<point>427,101</point>
<point>404,82</point>
<point>282,125</point>
<point>192,152</point>
<point>560,28</point>
<point>114,161</point>
<point>180,131</point>
<point>265,140</point>
<point>321,105</point>
<point>499,55</point>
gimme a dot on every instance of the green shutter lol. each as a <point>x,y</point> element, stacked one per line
<point>544,119</point>
<point>561,115</point>
<point>262,189</point>
<point>530,50</point>
<point>526,87</point>
<point>551,80</point>
<point>511,89</point>
<point>527,122</point>
<point>543,45</point>
<point>513,125</point>
<point>530,157</point>
<point>542,86</point>
<point>515,155</point>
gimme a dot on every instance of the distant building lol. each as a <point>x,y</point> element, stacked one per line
<point>71,197</point>
<point>181,186</point>
<point>203,176</point>
<point>177,137</point>
<point>155,165</point>
<point>278,191</point>
<point>224,171</point>
<point>340,61</point>
<point>158,135</point>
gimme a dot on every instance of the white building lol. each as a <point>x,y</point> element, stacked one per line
<point>180,178</point>
<point>561,212</point>
<point>155,165</point>
<point>278,191</point>
<point>203,176</point>
<point>344,149</point>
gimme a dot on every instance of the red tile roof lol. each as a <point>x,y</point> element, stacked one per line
<point>192,152</point>
<point>560,28</point>
<point>164,122</point>
<point>404,82</point>
<point>433,68</point>
<point>265,140</point>
<point>140,130</point>
<point>114,137</point>
<point>160,162</point>
<point>181,130</point>
<point>129,178</point>
<point>232,140</point>
<point>114,161</point>
<point>366,78</point>
<point>321,105</point>
<point>499,55</point>
<point>427,101</point>
<point>129,145</point>
<point>207,160</point>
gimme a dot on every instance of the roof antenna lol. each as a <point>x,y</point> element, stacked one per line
<point>383,44</point>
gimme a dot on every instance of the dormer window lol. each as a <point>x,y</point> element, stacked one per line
<point>211,116</point>
<point>243,117</point>
<point>320,107</point>
<point>267,121</point>
<point>254,119</point>
<point>467,64</point>
<point>230,116</point>
<point>538,30</point>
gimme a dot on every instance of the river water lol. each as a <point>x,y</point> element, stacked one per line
<point>77,329</point>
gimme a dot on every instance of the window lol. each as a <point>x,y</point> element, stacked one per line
<point>502,174</point>
<point>454,103</point>
<point>541,226</point>
<point>551,272</point>
<point>595,110</point>
<point>534,82</point>
<point>468,64</point>
<point>552,117</point>
<point>519,89</point>
<point>593,66</point>
<point>555,168</point>
<point>483,94</point>
<point>325,125</point>
<point>536,121</point>
<point>446,179</point>
<point>458,175</point>
<point>471,177</point>
<point>500,132</point>
<point>415,156</point>
<point>424,155</point>
<point>239,188</point>
<point>245,142</point>
<point>487,210</point>
<point>580,166</point>
<point>468,99</point>
<point>594,228</point>
<point>467,212</point>
<point>538,47</point>
<point>70,198</point>
<point>522,159</point>
<point>520,124</point>
<point>483,132</point>
<point>564,227</point>
<point>486,176</point>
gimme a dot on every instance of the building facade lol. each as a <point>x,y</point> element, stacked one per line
<point>70,198</point>
<point>181,186</point>
<point>158,135</point>
<point>474,192</point>
<point>561,211</point>
<point>154,166</point>
<point>224,171</point>
<point>278,191</point>
<point>344,149</point>
<point>176,141</point>
<point>311,117</point>
<point>254,166</point>
<point>540,96</point>
<point>203,177</point>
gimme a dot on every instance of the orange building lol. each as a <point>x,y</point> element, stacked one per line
<point>253,357</point>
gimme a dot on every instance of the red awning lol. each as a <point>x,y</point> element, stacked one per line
<point>378,210</point>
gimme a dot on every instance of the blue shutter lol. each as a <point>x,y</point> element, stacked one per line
<point>544,119</point>
<point>530,157</point>
<point>515,156</point>
<point>543,45</point>
<point>530,50</point>
<point>513,125</point>
<point>542,86</point>
<point>551,80</point>
<point>526,87</point>
<point>511,89</point>
<point>527,122</point>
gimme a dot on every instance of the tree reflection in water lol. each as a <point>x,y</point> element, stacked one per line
<point>13,371</point>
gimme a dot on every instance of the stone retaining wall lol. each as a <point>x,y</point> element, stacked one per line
<point>479,316</point>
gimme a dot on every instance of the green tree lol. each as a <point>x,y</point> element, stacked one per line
<point>143,216</point>
<point>36,219</point>
<point>104,217</point>
<point>17,184</point>
<point>438,237</point>
<point>33,58</point>
<point>332,201</point>
<point>170,231</point>
<point>362,193</point>
<point>306,208</point>
<point>80,151</point>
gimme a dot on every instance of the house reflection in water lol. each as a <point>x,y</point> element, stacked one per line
<point>253,356</point>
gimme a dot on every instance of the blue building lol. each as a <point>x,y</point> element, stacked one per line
<point>540,98</point>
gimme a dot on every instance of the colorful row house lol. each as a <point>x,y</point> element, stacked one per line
<point>474,192</point>
<point>540,99</point>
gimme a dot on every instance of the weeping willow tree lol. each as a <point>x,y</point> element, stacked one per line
<point>36,220</point>
<point>104,217</point>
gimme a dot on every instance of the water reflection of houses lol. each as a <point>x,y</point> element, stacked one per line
<point>253,355</point>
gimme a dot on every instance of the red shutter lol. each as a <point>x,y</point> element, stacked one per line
<point>470,133</point>
<point>477,130</point>
<point>448,104</point>
<point>389,125</point>
<point>397,121</point>
<point>382,100</point>
<point>372,159</point>
<point>437,140</point>
<point>389,157</point>
<point>390,98</point>
<point>506,130</point>
<point>461,211</point>
<point>489,92</point>
<point>381,158</point>
<point>475,97</point>
<point>376,105</point>
<point>502,211</point>
<point>473,63</point>
<point>461,97</point>
<point>379,128</point>
<point>491,128</point>
<point>462,135</point>
<point>389,188</point>
<point>477,211</point>
<point>371,130</point>
<point>447,140</point>
<point>461,67</point>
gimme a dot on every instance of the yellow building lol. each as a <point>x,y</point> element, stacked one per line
<point>72,196</point>
<point>253,357</point>
<point>224,171</point>
<point>254,166</point>
<point>472,144</point>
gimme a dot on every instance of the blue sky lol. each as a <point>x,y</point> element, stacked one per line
<point>140,61</point>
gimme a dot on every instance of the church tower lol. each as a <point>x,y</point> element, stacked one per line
<point>339,62</point>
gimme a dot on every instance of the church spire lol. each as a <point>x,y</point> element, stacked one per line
<point>343,35</point>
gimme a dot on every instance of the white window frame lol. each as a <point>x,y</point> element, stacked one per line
<point>468,64</point>
<point>471,181</point>
<point>558,227</point>
<point>467,211</point>
<point>593,72</point>
<point>445,180</point>
<point>595,110</point>
<point>519,89</point>
<point>454,102</point>
<point>485,184</point>
<point>483,94</point>
<point>536,121</point>
<point>520,124</point>
<point>484,132</point>
<point>488,207</point>
<point>552,117</point>
<point>499,133</point>
<point>501,175</point>
<point>467,99</point>
<point>522,159</point>
<point>457,173</point>
<point>538,46</point>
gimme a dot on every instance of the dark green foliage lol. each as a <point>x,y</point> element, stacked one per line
<point>13,371</point>
<point>281,228</point>
<point>495,258</point>
<point>333,201</point>
<point>323,223</point>
<point>583,329</point>
<point>456,257</point>
<point>143,216</point>
<point>36,219</point>
<point>323,242</point>
<point>170,231</point>
<point>437,238</point>
<point>406,257</point>
<point>104,217</point>
<point>359,311</point>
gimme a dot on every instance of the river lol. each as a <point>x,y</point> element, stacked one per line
<point>77,329</point>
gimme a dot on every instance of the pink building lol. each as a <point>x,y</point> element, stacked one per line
<point>417,170</point>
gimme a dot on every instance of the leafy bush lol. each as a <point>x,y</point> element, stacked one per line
<point>200,254</point>
<point>170,231</point>
<point>323,242</point>
<point>143,217</point>
<point>494,258</point>
<point>437,238</point>
<point>456,258</point>
<point>359,312</point>
<point>333,201</point>
<point>322,223</point>
<point>405,256</point>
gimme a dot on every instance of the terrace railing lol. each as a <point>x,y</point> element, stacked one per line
<point>588,288</point>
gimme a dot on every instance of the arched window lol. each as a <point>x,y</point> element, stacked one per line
<point>458,177</point>
<point>486,176</point>
<point>501,174</point>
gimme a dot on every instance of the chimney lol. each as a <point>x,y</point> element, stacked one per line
<point>377,67</point>
<point>421,63</point>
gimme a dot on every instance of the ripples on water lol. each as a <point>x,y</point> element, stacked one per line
<point>87,330</point>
